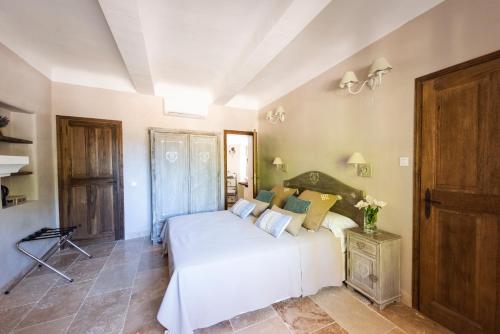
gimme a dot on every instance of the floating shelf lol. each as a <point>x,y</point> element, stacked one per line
<point>10,107</point>
<point>14,205</point>
<point>21,173</point>
<point>13,140</point>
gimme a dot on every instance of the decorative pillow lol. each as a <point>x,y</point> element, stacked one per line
<point>282,194</point>
<point>265,196</point>
<point>297,220</point>
<point>297,205</point>
<point>242,208</point>
<point>273,222</point>
<point>337,223</point>
<point>259,206</point>
<point>320,204</point>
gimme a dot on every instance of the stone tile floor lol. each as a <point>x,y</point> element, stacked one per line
<point>120,289</point>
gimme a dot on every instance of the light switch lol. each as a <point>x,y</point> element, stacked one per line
<point>404,161</point>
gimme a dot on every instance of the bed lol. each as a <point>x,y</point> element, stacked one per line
<point>222,265</point>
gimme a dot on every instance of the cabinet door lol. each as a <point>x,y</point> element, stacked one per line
<point>204,173</point>
<point>170,177</point>
<point>363,271</point>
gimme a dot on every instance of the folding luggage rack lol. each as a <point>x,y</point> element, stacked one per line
<point>64,234</point>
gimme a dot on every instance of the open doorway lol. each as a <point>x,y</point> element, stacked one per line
<point>239,165</point>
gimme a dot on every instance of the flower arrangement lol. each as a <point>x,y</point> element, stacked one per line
<point>371,207</point>
<point>4,120</point>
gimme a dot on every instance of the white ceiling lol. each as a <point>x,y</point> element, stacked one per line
<point>241,53</point>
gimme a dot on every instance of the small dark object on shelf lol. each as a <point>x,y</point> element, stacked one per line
<point>4,121</point>
<point>5,193</point>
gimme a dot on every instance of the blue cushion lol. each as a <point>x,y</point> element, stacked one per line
<point>265,196</point>
<point>242,208</point>
<point>297,205</point>
<point>273,222</point>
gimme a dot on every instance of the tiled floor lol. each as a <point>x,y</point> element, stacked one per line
<point>120,289</point>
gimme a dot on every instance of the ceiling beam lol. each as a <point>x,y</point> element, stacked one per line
<point>293,19</point>
<point>125,25</point>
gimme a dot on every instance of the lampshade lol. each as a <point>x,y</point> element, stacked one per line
<point>277,161</point>
<point>356,158</point>
<point>379,65</point>
<point>348,79</point>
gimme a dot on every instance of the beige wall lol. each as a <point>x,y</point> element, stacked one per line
<point>23,86</point>
<point>138,113</point>
<point>323,126</point>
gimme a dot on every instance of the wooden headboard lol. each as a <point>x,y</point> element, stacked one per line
<point>321,182</point>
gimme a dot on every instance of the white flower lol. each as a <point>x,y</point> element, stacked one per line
<point>370,202</point>
<point>361,204</point>
<point>369,199</point>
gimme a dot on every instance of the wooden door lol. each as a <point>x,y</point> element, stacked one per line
<point>204,184</point>
<point>90,177</point>
<point>169,177</point>
<point>458,196</point>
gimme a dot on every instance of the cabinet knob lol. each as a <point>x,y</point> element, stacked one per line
<point>373,278</point>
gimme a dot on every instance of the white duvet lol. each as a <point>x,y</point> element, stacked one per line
<point>222,266</point>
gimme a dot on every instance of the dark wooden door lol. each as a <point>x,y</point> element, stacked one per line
<point>458,196</point>
<point>90,177</point>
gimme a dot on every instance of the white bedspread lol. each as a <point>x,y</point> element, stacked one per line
<point>222,266</point>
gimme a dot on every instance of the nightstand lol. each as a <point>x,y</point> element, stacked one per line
<point>373,265</point>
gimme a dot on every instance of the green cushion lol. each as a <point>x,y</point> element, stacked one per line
<point>297,205</point>
<point>265,196</point>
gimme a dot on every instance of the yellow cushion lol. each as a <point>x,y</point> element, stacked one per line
<point>320,205</point>
<point>281,195</point>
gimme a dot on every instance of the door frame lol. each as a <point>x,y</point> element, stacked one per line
<point>254,136</point>
<point>119,226</point>
<point>417,202</point>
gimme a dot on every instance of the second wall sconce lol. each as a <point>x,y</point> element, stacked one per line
<point>276,115</point>
<point>362,167</point>
<point>379,67</point>
<point>278,162</point>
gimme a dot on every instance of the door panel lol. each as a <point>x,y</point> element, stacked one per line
<point>459,234</point>
<point>90,177</point>
<point>170,177</point>
<point>204,174</point>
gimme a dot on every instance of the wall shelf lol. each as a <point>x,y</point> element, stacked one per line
<point>14,205</point>
<point>13,140</point>
<point>21,173</point>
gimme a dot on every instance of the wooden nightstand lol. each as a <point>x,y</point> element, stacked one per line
<point>373,265</point>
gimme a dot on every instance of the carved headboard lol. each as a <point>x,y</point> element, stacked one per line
<point>321,182</point>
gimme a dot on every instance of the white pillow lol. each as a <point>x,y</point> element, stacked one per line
<point>337,223</point>
<point>273,222</point>
<point>242,208</point>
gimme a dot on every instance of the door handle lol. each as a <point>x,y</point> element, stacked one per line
<point>428,203</point>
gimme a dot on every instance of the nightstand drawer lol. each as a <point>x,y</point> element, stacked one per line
<point>363,246</point>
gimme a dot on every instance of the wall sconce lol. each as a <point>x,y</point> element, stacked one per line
<point>276,115</point>
<point>362,167</point>
<point>379,67</point>
<point>278,162</point>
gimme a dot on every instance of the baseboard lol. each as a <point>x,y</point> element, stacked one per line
<point>406,298</point>
<point>140,234</point>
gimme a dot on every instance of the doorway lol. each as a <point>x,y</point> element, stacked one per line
<point>89,163</point>
<point>456,234</point>
<point>240,179</point>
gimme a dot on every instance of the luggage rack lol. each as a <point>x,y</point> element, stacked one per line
<point>64,234</point>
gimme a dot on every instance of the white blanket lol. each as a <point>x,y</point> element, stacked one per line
<point>222,266</point>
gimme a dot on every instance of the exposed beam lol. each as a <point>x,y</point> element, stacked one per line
<point>277,36</point>
<point>125,25</point>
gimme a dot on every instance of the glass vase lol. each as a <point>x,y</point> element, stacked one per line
<point>370,223</point>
